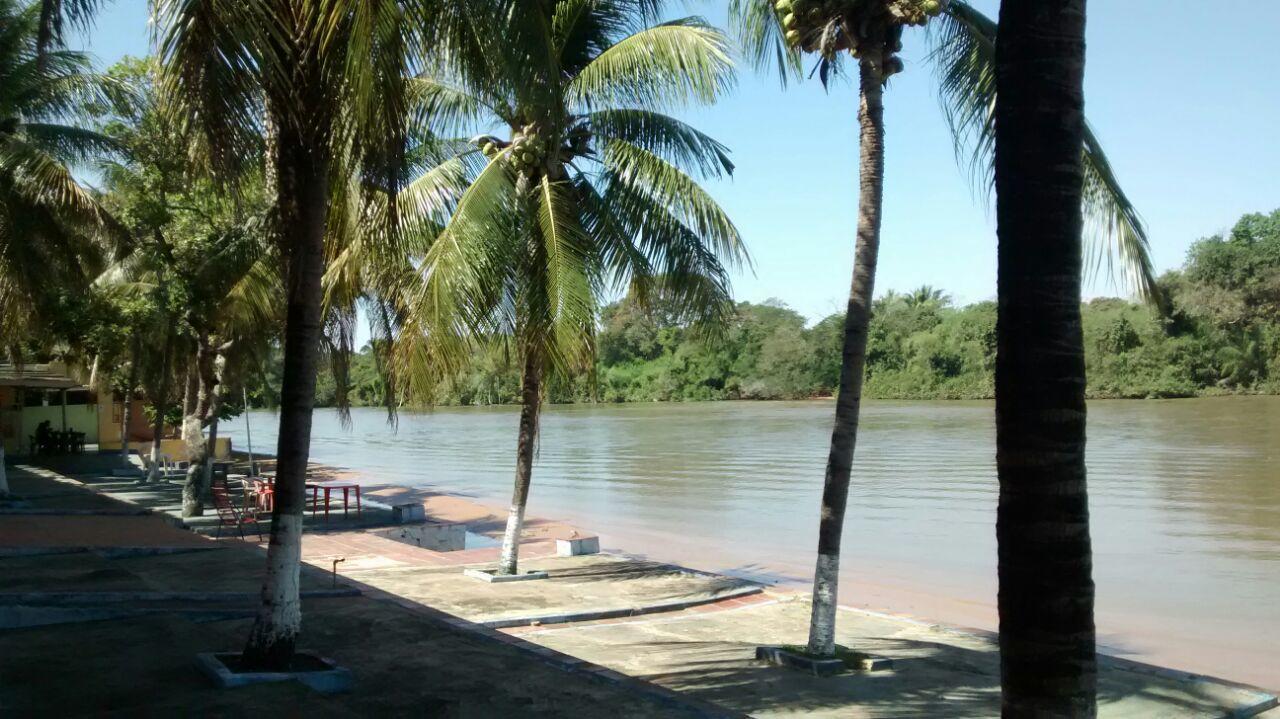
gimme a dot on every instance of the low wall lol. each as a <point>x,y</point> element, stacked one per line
<point>174,447</point>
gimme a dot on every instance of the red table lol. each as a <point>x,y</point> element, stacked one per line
<point>328,487</point>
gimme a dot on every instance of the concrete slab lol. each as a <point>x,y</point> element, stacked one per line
<point>936,671</point>
<point>578,588</point>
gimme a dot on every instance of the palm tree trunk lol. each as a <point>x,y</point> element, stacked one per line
<point>531,401</point>
<point>302,194</point>
<point>160,405</point>
<point>126,412</point>
<point>835,490</point>
<point>1048,663</point>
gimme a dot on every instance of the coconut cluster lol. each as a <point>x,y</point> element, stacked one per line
<point>531,146</point>
<point>830,26</point>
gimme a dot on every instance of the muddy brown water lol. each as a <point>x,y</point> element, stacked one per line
<point>1185,501</point>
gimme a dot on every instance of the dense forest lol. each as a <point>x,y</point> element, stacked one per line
<point>1219,332</point>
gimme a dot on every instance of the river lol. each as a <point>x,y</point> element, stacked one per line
<point>1185,502</point>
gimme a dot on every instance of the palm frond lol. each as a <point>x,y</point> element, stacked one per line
<point>963,55</point>
<point>666,137</point>
<point>656,182</point>
<point>756,26</point>
<point>568,296</point>
<point>667,65</point>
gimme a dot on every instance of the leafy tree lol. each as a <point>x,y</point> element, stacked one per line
<point>1235,278</point>
<point>323,81</point>
<point>54,236</point>
<point>591,187</point>
<point>201,254</point>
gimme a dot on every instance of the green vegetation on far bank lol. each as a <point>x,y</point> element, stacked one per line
<point>1221,335</point>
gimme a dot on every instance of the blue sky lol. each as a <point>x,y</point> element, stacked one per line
<point>1183,95</point>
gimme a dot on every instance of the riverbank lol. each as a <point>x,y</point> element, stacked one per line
<point>1183,493</point>
<point>696,639</point>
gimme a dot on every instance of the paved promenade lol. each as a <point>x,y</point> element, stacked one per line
<point>103,587</point>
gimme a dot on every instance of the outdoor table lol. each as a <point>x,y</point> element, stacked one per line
<point>328,487</point>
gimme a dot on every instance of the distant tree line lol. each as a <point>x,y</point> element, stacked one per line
<point>1219,334</point>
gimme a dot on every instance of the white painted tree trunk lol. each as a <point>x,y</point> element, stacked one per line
<point>531,392</point>
<point>280,614</point>
<point>153,472</point>
<point>511,540</point>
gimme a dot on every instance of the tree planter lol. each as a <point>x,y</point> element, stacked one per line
<point>321,674</point>
<point>486,575</point>
<point>845,660</point>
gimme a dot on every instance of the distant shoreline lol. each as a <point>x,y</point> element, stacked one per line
<point>819,398</point>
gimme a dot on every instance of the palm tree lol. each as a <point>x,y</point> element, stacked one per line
<point>1048,665</point>
<point>927,295</point>
<point>777,32</point>
<point>590,187</point>
<point>324,81</point>
<point>50,226</point>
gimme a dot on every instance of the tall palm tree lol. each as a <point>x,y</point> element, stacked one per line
<point>1048,665</point>
<point>50,226</point>
<point>588,187</point>
<point>779,33</point>
<point>324,80</point>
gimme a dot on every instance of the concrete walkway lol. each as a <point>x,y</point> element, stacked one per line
<point>89,627</point>
<point>936,671</point>
<point>584,643</point>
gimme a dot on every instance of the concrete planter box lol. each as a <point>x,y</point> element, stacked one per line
<point>326,677</point>
<point>850,661</point>
<point>577,547</point>
<point>408,513</point>
<point>488,576</point>
<point>437,537</point>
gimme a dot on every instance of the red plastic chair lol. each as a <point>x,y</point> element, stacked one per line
<point>263,494</point>
<point>229,514</point>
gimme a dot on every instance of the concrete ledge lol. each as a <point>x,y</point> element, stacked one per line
<point>821,667</point>
<point>487,576</point>
<point>586,615</point>
<point>435,536</point>
<point>332,679</point>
